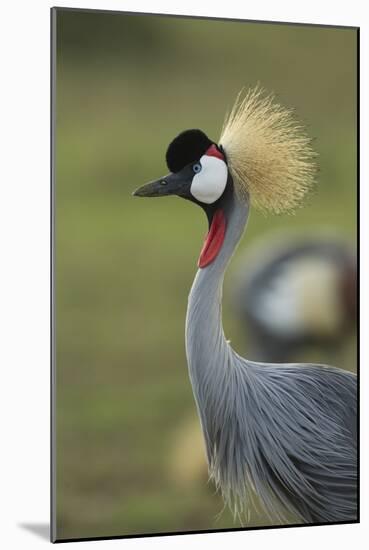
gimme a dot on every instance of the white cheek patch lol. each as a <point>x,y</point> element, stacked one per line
<point>208,185</point>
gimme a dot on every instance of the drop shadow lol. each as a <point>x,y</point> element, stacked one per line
<point>42,530</point>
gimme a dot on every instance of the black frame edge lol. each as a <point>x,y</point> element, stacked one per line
<point>53,536</point>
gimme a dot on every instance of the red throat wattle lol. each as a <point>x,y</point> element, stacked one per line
<point>214,239</point>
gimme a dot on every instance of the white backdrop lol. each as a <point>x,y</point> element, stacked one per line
<point>24,305</point>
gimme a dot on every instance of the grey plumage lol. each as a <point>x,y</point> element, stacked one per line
<point>285,432</point>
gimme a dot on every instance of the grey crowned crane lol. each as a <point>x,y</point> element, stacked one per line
<point>296,294</point>
<point>286,432</point>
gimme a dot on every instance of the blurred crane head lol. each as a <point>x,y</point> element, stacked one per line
<point>294,294</point>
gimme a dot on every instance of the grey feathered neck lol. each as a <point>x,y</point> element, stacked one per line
<point>268,427</point>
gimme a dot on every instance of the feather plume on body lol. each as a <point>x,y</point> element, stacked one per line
<point>283,432</point>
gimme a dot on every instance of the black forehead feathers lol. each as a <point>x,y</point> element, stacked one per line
<point>187,147</point>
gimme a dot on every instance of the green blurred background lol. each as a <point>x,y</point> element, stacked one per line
<point>129,457</point>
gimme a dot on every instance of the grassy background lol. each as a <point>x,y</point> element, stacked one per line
<point>126,85</point>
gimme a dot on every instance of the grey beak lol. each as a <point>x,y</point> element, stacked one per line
<point>173,184</point>
<point>156,188</point>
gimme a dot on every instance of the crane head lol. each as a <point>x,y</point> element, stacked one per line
<point>198,170</point>
<point>199,173</point>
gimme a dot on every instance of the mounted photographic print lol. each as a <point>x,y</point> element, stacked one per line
<point>204,344</point>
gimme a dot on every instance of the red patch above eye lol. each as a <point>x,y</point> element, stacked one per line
<point>213,151</point>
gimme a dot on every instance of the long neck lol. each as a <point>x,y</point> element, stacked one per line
<point>206,347</point>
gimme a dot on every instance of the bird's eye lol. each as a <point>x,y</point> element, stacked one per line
<point>197,167</point>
